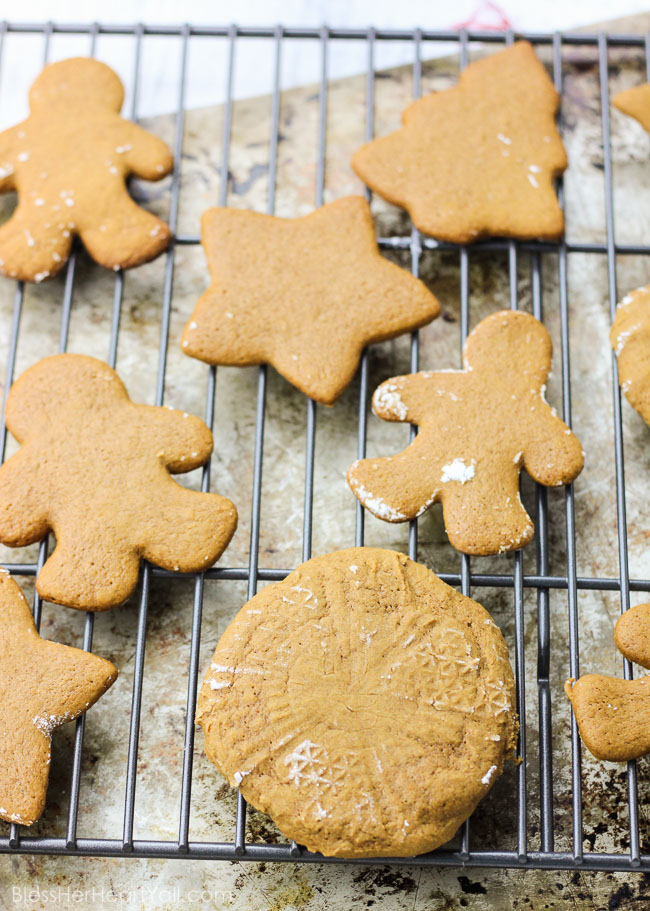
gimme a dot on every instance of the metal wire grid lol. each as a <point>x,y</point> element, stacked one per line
<point>522,855</point>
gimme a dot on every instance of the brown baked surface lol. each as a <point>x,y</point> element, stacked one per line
<point>613,715</point>
<point>304,294</point>
<point>42,685</point>
<point>94,468</point>
<point>636,103</point>
<point>632,634</point>
<point>477,159</point>
<point>630,340</point>
<point>68,162</point>
<point>479,427</point>
<point>362,703</point>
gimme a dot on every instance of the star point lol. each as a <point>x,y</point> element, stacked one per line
<point>43,684</point>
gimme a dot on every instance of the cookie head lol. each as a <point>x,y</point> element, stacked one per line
<point>362,703</point>
<point>49,392</point>
<point>78,82</point>
<point>632,634</point>
<point>510,344</point>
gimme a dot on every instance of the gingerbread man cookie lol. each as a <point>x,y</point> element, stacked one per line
<point>304,294</point>
<point>94,468</point>
<point>613,714</point>
<point>632,634</point>
<point>42,685</point>
<point>630,340</point>
<point>636,103</point>
<point>478,159</point>
<point>68,163</point>
<point>478,428</point>
<point>362,703</point>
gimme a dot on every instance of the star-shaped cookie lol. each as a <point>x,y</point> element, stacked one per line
<point>94,468</point>
<point>305,295</point>
<point>635,103</point>
<point>479,427</point>
<point>42,685</point>
<point>477,159</point>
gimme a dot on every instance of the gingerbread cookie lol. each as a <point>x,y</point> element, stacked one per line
<point>632,634</point>
<point>94,469</point>
<point>42,685</point>
<point>630,340</point>
<point>362,703</point>
<point>68,163</point>
<point>304,294</point>
<point>636,103</point>
<point>613,714</point>
<point>477,159</point>
<point>478,428</point>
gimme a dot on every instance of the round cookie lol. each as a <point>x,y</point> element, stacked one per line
<point>362,703</point>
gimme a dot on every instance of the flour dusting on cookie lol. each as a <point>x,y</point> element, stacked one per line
<point>478,427</point>
<point>376,723</point>
<point>61,162</point>
<point>479,158</point>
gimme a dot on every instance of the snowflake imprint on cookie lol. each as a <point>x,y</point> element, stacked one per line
<point>332,713</point>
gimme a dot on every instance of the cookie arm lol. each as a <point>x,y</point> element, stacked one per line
<point>73,680</point>
<point>8,148</point>
<point>23,517</point>
<point>554,457</point>
<point>635,102</point>
<point>381,165</point>
<point>183,442</point>
<point>409,397</point>
<point>145,155</point>
<point>187,530</point>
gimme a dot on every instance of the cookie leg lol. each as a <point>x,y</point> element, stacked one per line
<point>485,515</point>
<point>189,530</point>
<point>395,489</point>
<point>90,573</point>
<point>126,235</point>
<point>32,249</point>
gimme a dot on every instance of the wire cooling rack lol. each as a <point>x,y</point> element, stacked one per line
<point>523,853</point>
